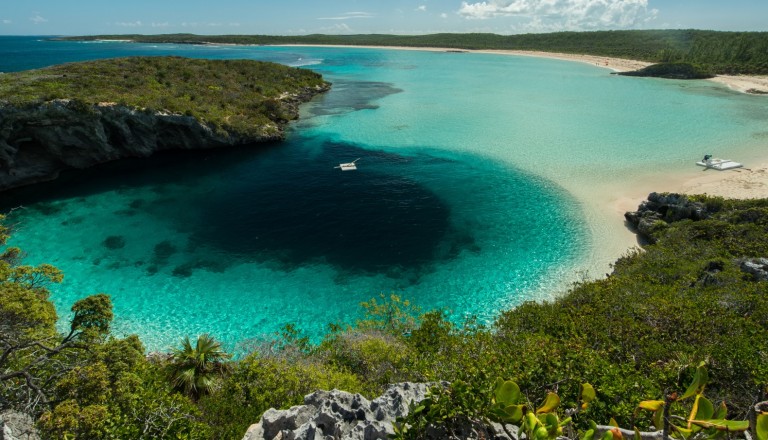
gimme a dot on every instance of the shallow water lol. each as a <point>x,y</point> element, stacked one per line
<point>461,201</point>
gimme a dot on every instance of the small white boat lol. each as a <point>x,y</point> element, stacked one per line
<point>718,164</point>
<point>349,166</point>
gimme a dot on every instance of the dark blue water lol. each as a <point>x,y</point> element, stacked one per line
<point>240,242</point>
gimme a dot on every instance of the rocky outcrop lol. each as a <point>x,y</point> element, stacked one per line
<point>338,415</point>
<point>17,426</point>
<point>38,142</point>
<point>663,208</point>
<point>757,267</point>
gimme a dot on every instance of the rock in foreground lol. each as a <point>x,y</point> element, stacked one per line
<point>340,415</point>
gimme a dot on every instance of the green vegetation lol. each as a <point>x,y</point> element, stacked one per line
<point>602,349</point>
<point>713,51</point>
<point>243,95</point>
<point>671,71</point>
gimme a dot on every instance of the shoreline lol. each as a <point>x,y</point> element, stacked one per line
<point>738,83</point>
<point>604,206</point>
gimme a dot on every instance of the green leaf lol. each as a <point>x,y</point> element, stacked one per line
<point>699,381</point>
<point>541,433</point>
<point>607,436</point>
<point>586,395</point>
<point>658,419</point>
<point>613,423</point>
<point>723,425</point>
<point>550,404</point>
<point>588,435</point>
<point>514,413</point>
<point>703,409</point>
<point>762,426</point>
<point>721,412</point>
<point>637,434</point>
<point>507,392</point>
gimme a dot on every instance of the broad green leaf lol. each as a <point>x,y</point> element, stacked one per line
<point>702,409</point>
<point>551,422</point>
<point>723,425</point>
<point>587,395</point>
<point>514,413</point>
<point>507,393</point>
<point>607,436</point>
<point>721,412</point>
<point>700,379</point>
<point>590,435</point>
<point>550,404</point>
<point>637,434</point>
<point>541,433</point>
<point>762,426</point>
<point>566,421</point>
<point>613,423</point>
<point>658,419</point>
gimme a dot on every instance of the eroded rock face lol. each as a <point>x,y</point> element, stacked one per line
<point>661,209</point>
<point>38,142</point>
<point>340,415</point>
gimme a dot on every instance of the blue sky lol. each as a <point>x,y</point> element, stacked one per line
<point>297,17</point>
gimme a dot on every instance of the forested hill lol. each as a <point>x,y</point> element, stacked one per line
<point>718,52</point>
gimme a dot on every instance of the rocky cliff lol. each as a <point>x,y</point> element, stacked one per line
<point>77,115</point>
<point>37,142</point>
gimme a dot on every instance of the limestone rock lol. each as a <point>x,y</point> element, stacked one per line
<point>663,208</point>
<point>17,426</point>
<point>339,415</point>
<point>757,267</point>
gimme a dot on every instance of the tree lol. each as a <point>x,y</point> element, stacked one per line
<point>194,370</point>
<point>33,356</point>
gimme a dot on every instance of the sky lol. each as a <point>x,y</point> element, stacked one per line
<point>300,17</point>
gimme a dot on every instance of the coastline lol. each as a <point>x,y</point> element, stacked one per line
<point>604,205</point>
<point>739,83</point>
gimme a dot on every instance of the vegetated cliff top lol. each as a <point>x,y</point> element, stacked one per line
<point>236,94</point>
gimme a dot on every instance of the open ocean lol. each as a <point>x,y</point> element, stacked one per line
<point>461,200</point>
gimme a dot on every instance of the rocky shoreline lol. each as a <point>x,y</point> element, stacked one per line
<point>38,142</point>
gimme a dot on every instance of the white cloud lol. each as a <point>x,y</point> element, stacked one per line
<point>136,23</point>
<point>443,15</point>
<point>549,15</point>
<point>160,25</point>
<point>348,15</point>
<point>422,8</point>
<point>37,19</point>
<point>6,22</point>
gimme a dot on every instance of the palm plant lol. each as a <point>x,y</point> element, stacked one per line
<point>194,370</point>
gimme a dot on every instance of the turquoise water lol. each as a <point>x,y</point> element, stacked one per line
<point>463,200</point>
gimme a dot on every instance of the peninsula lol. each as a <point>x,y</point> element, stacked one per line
<point>82,114</point>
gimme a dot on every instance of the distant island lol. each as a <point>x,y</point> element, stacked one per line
<point>82,114</point>
<point>713,52</point>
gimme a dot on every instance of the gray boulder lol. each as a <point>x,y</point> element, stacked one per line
<point>17,426</point>
<point>757,267</point>
<point>663,208</point>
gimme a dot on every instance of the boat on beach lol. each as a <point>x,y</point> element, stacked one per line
<point>718,164</point>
